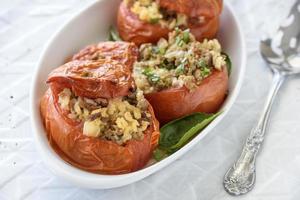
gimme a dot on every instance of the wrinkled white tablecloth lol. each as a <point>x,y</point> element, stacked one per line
<point>26,25</point>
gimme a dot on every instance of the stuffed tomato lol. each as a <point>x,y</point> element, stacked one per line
<point>96,119</point>
<point>146,21</point>
<point>180,76</point>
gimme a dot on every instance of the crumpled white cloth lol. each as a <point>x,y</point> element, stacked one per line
<point>26,25</point>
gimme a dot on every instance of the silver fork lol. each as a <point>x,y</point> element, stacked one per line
<point>282,53</point>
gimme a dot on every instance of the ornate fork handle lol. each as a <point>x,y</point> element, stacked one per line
<point>240,178</point>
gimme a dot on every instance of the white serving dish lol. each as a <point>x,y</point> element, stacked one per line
<point>89,26</point>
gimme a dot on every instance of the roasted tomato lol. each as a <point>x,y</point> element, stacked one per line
<point>207,29</point>
<point>120,52</point>
<point>181,75</point>
<point>123,52</point>
<point>132,29</point>
<point>105,79</point>
<point>208,97</point>
<point>202,20</point>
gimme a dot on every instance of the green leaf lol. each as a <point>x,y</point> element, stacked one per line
<point>228,63</point>
<point>113,35</point>
<point>177,133</point>
<point>159,154</point>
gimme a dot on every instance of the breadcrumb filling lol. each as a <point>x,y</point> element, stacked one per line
<point>119,119</point>
<point>176,62</point>
<point>149,11</point>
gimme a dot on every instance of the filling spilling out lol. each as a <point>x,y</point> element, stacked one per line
<point>176,62</point>
<point>119,119</point>
<point>149,11</point>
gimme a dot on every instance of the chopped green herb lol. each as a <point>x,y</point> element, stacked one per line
<point>183,38</point>
<point>205,72</point>
<point>186,36</point>
<point>147,71</point>
<point>162,51</point>
<point>202,63</point>
<point>154,78</point>
<point>177,30</point>
<point>158,50</point>
<point>154,20</point>
<point>180,69</point>
<point>179,41</point>
<point>155,49</point>
<point>151,76</point>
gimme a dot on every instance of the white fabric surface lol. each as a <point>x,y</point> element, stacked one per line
<point>26,25</point>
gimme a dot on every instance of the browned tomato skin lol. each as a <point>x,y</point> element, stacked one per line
<point>208,97</point>
<point>132,29</point>
<point>93,79</point>
<point>94,154</point>
<point>207,30</point>
<point>123,52</point>
<point>220,2</point>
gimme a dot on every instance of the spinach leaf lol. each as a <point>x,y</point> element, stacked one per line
<point>228,63</point>
<point>177,133</point>
<point>159,154</point>
<point>113,34</point>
